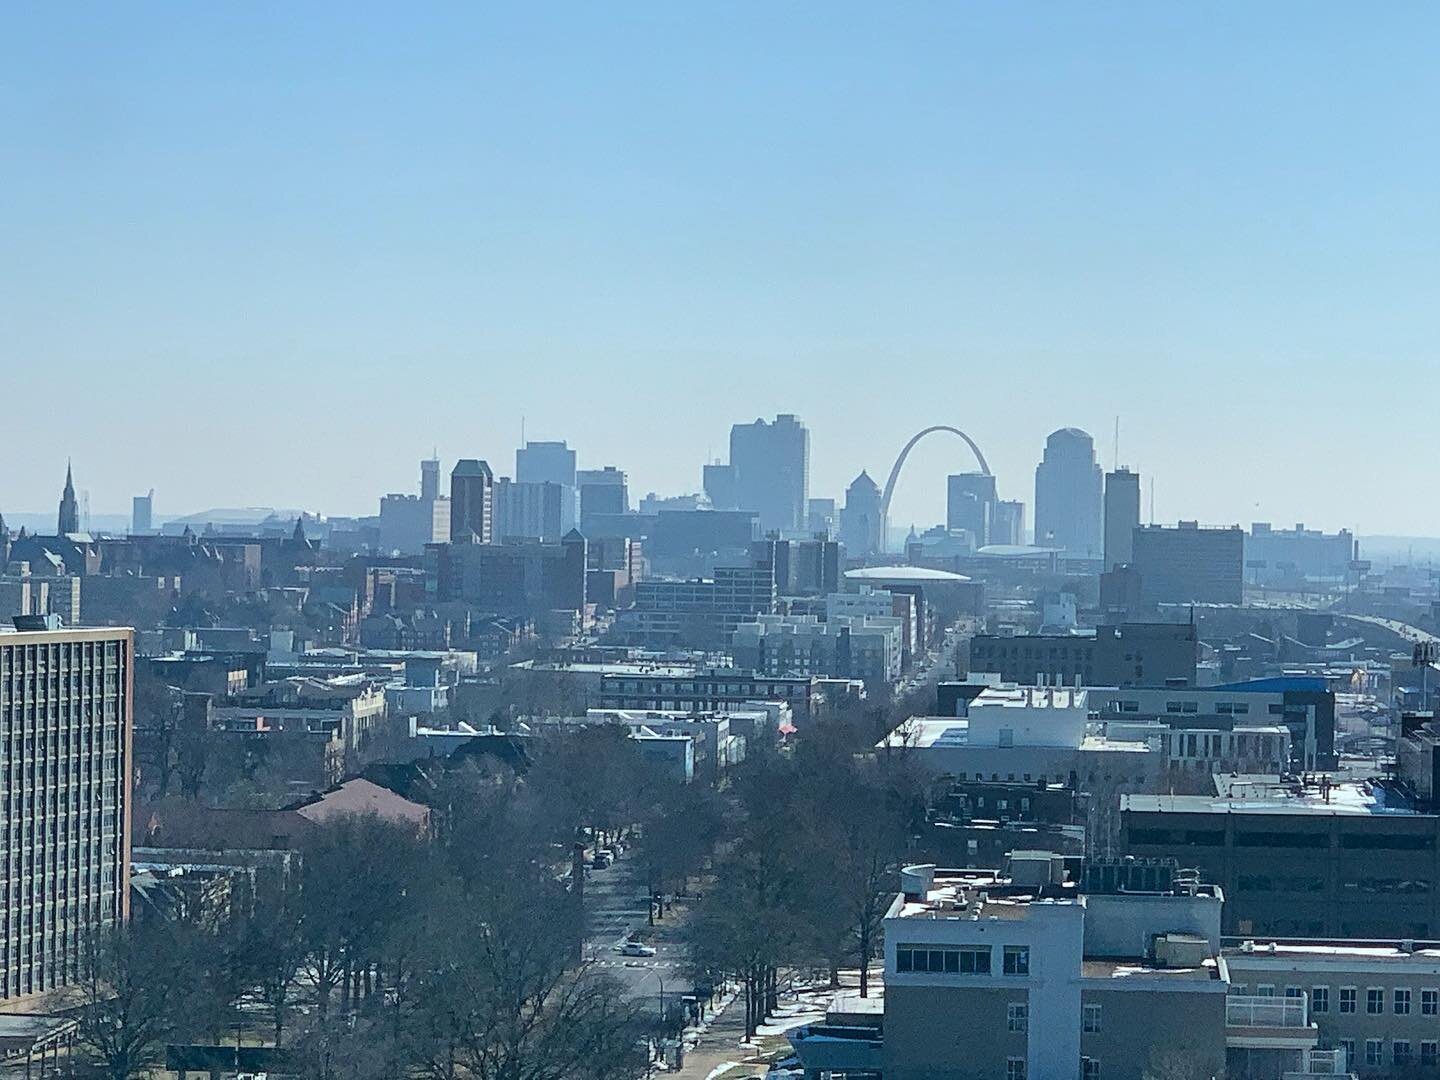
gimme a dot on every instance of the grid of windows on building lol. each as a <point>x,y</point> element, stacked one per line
<point>970,960</point>
<point>64,808</point>
<point>1017,1016</point>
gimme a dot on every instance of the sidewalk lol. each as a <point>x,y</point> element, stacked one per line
<point>718,1050</point>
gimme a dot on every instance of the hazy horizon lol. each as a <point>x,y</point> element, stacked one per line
<point>263,255</point>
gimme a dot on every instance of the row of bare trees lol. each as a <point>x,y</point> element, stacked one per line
<point>808,869</point>
<point>386,954</point>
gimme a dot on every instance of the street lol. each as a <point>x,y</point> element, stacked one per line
<point>616,904</point>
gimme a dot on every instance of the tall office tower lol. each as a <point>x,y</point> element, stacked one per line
<point>862,526</point>
<point>1122,514</point>
<point>472,502</point>
<point>65,725</point>
<point>69,519</point>
<point>1068,495</point>
<point>720,487</point>
<point>772,470</point>
<point>430,478</point>
<point>1186,564</point>
<point>602,491</point>
<point>545,463</point>
<point>970,505</point>
<point>821,518</point>
<point>142,513</point>
<point>1007,526</point>
<point>540,511</point>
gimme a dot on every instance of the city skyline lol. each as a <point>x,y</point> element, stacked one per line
<point>1189,220</point>
<point>920,495</point>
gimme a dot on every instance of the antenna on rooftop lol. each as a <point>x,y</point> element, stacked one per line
<point>1152,498</point>
<point>1116,466</point>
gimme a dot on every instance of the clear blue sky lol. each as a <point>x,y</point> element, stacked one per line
<point>272,253</point>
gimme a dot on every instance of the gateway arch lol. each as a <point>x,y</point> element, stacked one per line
<point>905,453</point>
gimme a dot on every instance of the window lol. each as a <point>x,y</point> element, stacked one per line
<point>1320,999</point>
<point>1348,1045</point>
<point>1092,1019</point>
<point>1347,999</point>
<point>1017,1016</point>
<point>1430,1002</point>
<point>1089,1068</point>
<point>1375,1000</point>
<point>1374,1052</point>
<point>1430,1053</point>
<point>1400,1052</point>
<point>1017,960</point>
<point>974,960</point>
<point>1015,1069</point>
<point>1264,990</point>
<point>1294,992</point>
<point>1401,1000</point>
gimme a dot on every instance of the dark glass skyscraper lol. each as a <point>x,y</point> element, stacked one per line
<point>472,502</point>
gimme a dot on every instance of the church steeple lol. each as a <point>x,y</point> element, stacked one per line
<point>69,519</point>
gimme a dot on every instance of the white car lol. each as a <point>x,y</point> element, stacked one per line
<point>635,948</point>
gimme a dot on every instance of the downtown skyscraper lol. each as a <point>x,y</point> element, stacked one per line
<point>1068,495</point>
<point>771,463</point>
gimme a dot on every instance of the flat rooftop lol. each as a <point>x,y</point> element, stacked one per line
<point>1010,696</point>
<point>981,894</point>
<point>1336,951</point>
<point>1347,798</point>
<point>942,732</point>
<point>1209,971</point>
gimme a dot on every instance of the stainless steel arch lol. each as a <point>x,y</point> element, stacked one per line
<point>900,461</point>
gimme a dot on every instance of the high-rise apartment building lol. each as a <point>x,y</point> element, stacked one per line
<point>862,525</point>
<point>65,731</point>
<point>472,502</point>
<point>1068,495</point>
<point>1122,515</point>
<point>545,463</point>
<point>970,505</point>
<point>68,520</point>
<point>772,471</point>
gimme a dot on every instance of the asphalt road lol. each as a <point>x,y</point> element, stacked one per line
<point>616,903</point>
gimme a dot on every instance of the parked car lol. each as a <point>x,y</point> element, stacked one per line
<point>635,948</point>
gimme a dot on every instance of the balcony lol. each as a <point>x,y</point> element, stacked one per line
<point>1269,1023</point>
<point>1315,1063</point>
